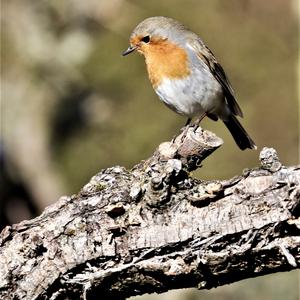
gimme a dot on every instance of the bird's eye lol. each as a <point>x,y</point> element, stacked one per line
<point>146,39</point>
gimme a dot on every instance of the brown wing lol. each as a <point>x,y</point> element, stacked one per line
<point>216,69</point>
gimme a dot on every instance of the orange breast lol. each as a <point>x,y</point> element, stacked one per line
<point>165,59</point>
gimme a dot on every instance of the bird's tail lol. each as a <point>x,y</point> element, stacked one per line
<point>239,134</point>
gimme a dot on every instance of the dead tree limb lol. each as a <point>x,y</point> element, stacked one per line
<point>154,228</point>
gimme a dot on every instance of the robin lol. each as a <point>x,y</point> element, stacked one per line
<point>186,75</point>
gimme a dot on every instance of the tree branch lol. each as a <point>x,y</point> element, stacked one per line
<point>154,228</point>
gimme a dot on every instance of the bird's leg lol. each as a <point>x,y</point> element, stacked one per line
<point>197,123</point>
<point>184,130</point>
<point>188,121</point>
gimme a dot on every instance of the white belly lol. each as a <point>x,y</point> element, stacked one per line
<point>192,95</point>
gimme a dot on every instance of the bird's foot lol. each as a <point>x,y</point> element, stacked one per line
<point>195,127</point>
<point>183,133</point>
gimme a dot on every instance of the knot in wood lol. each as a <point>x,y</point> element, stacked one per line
<point>269,159</point>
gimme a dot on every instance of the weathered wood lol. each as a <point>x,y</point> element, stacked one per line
<point>154,228</point>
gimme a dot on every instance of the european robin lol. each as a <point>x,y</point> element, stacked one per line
<point>186,75</point>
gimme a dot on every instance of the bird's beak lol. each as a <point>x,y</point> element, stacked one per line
<point>129,50</point>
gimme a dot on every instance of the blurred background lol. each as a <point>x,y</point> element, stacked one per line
<point>71,105</point>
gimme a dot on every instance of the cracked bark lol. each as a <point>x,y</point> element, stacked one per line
<point>155,228</point>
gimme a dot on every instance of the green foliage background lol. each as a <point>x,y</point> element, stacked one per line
<point>72,105</point>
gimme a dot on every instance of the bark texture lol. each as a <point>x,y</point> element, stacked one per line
<point>155,228</point>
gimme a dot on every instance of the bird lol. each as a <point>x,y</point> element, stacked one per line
<point>186,75</point>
